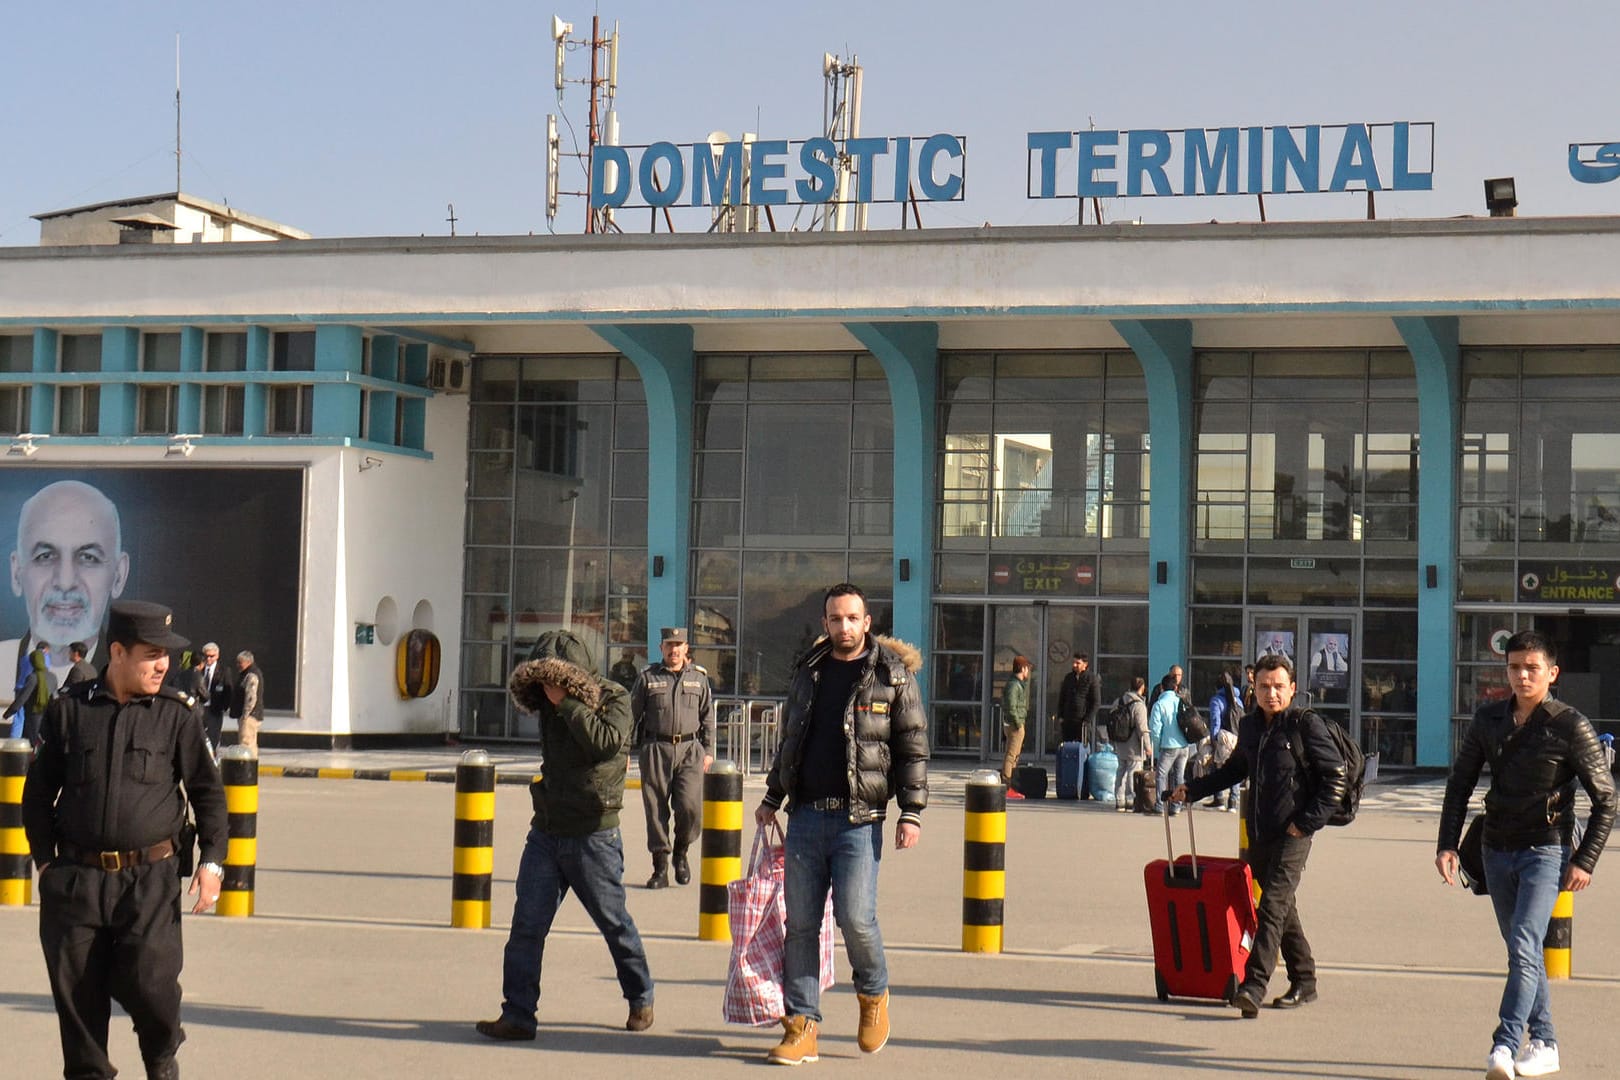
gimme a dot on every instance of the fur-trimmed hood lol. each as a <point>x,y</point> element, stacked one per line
<point>559,658</point>
<point>908,654</point>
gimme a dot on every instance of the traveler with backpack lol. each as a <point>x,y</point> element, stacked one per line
<point>1171,747</point>
<point>1225,710</point>
<point>1538,748</point>
<point>1127,722</point>
<point>1293,760</point>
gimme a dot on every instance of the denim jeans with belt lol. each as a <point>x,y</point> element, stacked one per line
<point>593,866</point>
<point>825,851</point>
<point>1524,887</point>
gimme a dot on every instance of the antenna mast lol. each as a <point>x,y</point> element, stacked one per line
<point>602,119</point>
<point>177,187</point>
<point>841,122</point>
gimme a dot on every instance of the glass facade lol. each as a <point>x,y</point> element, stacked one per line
<point>1304,535</point>
<point>792,484</point>
<point>556,522</point>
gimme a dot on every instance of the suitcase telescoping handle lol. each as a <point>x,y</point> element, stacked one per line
<point>1192,839</point>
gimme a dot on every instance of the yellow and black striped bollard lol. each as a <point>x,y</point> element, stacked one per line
<point>239,770</point>
<point>984,862</point>
<point>721,849</point>
<point>16,876</point>
<point>1555,949</point>
<point>474,868</point>
<point>1245,808</point>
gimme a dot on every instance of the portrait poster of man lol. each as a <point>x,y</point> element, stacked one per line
<point>1329,662</point>
<point>221,547</point>
<point>1274,643</point>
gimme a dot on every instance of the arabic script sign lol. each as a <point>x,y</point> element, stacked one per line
<point>1576,582</point>
<point>1042,575</point>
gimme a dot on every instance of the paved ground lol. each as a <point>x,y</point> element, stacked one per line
<point>351,970</point>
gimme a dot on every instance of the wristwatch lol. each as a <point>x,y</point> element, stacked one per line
<point>213,868</point>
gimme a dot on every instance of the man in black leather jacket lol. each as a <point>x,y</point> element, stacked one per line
<point>1538,749</point>
<point>1290,805</point>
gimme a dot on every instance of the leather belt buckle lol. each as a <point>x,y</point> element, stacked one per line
<point>111,861</point>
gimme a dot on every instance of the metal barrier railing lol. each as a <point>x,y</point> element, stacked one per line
<point>745,732</point>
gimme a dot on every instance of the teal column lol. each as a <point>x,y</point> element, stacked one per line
<point>1164,348</point>
<point>909,353</point>
<point>42,401</point>
<point>255,401</point>
<point>120,352</point>
<point>1437,362</point>
<point>337,405</point>
<point>188,418</point>
<point>663,356</point>
<point>415,372</point>
<point>384,365</point>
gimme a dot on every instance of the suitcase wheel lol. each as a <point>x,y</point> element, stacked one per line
<point>1231,988</point>
<point>1164,991</point>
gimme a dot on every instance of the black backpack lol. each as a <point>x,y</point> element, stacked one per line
<point>1121,724</point>
<point>1355,768</point>
<point>1194,728</point>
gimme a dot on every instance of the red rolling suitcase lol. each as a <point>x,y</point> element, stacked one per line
<point>1202,915</point>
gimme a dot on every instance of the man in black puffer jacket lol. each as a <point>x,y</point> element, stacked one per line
<point>1538,749</point>
<point>574,840</point>
<point>854,735</point>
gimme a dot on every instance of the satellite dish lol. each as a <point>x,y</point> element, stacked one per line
<point>560,29</point>
<point>717,139</point>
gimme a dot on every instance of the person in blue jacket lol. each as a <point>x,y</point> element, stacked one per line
<point>1225,710</point>
<point>1170,747</point>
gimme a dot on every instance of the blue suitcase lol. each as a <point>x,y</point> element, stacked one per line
<point>1071,769</point>
<point>1101,769</point>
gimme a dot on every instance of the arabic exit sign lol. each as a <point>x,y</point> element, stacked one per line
<point>1042,575</point>
<point>1574,582</point>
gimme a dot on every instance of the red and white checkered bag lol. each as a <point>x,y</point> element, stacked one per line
<point>758,912</point>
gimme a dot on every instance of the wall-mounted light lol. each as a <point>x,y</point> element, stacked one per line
<point>1162,572</point>
<point>370,462</point>
<point>24,445</point>
<point>181,445</point>
<point>658,566</point>
<point>1501,196</point>
<point>905,569</point>
<point>1431,576</point>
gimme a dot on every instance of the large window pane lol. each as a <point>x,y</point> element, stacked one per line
<point>782,598</point>
<point>787,503</point>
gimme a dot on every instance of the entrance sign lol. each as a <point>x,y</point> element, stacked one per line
<point>1273,160</point>
<point>1575,582</point>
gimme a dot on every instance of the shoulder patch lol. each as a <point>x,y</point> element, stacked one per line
<point>178,695</point>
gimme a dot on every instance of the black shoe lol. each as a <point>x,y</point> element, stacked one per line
<point>504,1030</point>
<point>640,1019</point>
<point>683,869</point>
<point>1247,1003</point>
<point>167,1069</point>
<point>1297,995</point>
<point>660,874</point>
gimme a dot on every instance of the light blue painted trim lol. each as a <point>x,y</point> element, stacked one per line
<point>663,357</point>
<point>216,378</point>
<point>257,442</point>
<point>189,397</point>
<point>337,406</point>
<point>909,353</point>
<point>42,400</point>
<point>1437,363</point>
<point>1165,352</point>
<point>120,352</point>
<point>255,398</point>
<point>385,357</point>
<point>663,316</point>
<point>415,369</point>
<point>426,338</point>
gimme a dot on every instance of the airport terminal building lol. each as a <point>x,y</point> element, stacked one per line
<point>1380,446</point>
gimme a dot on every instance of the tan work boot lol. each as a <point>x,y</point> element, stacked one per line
<point>874,1031</point>
<point>798,1043</point>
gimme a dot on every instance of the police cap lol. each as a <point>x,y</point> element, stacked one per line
<point>131,621</point>
<point>676,634</point>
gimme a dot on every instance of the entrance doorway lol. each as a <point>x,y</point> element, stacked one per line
<point>1324,649</point>
<point>1588,663</point>
<point>1048,635</point>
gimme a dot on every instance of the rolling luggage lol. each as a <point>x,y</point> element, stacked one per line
<point>1142,782</point>
<point>1071,767</point>
<point>1202,916</point>
<point>1101,768</point>
<point>1029,781</point>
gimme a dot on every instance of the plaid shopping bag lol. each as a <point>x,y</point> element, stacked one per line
<point>758,912</point>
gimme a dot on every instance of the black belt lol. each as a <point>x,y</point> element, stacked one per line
<point>113,861</point>
<point>826,804</point>
<point>675,740</point>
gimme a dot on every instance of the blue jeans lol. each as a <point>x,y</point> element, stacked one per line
<point>593,866</point>
<point>1524,887</point>
<point>1173,769</point>
<point>825,851</point>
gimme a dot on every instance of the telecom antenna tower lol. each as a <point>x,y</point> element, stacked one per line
<point>603,124</point>
<point>841,122</point>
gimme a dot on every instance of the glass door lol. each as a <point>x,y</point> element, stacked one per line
<point>1325,666</point>
<point>1048,635</point>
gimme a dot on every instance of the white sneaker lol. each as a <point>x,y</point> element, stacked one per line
<point>1537,1058</point>
<point>1499,1064</point>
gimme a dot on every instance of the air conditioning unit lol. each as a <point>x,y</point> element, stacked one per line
<point>448,374</point>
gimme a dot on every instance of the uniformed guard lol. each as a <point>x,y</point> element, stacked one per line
<point>104,812</point>
<point>673,710</point>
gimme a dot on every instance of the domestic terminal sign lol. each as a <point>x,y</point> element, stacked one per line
<point>1594,163</point>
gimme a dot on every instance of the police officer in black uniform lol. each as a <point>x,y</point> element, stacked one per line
<point>672,707</point>
<point>104,812</point>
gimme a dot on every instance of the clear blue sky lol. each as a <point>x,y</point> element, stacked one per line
<point>352,119</point>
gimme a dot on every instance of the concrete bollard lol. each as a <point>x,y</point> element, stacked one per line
<point>721,849</point>
<point>984,862</point>
<point>1555,949</point>
<point>239,770</point>
<point>474,868</point>
<point>16,875</point>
